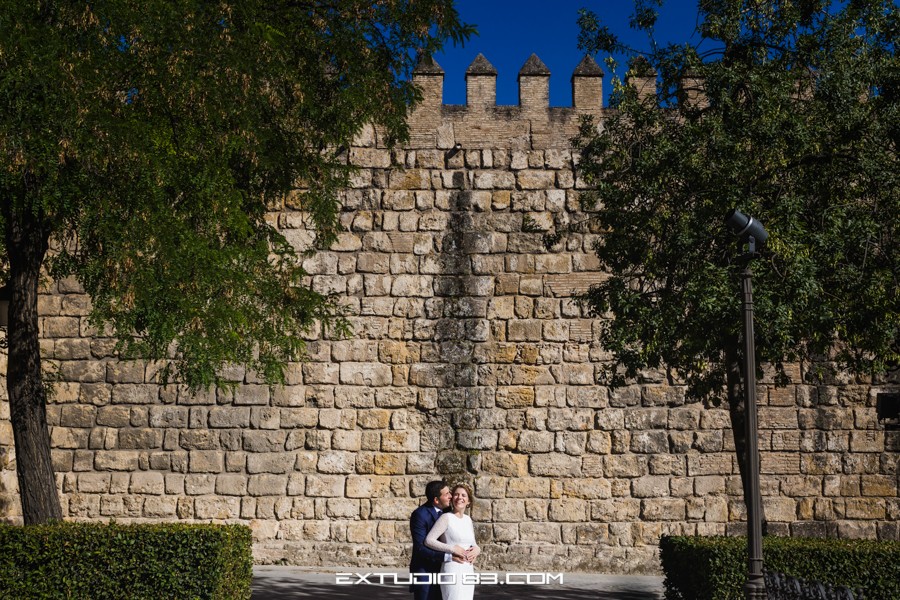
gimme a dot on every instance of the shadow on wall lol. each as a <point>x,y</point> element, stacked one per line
<point>459,311</point>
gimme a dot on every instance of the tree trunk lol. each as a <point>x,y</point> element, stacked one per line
<point>735,389</point>
<point>26,243</point>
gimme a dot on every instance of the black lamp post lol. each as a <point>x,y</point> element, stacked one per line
<point>751,231</point>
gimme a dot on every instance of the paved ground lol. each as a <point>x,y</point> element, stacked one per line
<point>289,583</point>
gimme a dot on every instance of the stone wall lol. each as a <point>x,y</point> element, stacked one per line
<point>470,361</point>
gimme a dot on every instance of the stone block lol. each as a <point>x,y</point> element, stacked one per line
<point>325,486</point>
<point>504,464</point>
<point>60,327</point>
<point>127,393</point>
<point>477,439</point>
<point>147,483</point>
<point>711,464</point>
<point>361,533</point>
<point>160,507</point>
<point>77,415</point>
<point>410,179</point>
<point>67,438</point>
<point>231,485</point>
<point>533,179</point>
<point>265,417</point>
<point>494,180</point>
<point>85,505</point>
<point>778,418</point>
<point>264,441</point>
<point>866,441</point>
<point>365,374</point>
<point>709,485</point>
<point>271,462</point>
<point>125,372</point>
<point>615,510</point>
<point>780,509</point>
<point>650,486</point>
<point>585,488</point>
<point>342,508</point>
<point>663,509</point>
<point>346,440</point>
<point>370,157</point>
<point>569,510</point>
<point>572,443</point>
<point>93,483</point>
<point>820,464</point>
<point>390,464</point>
<point>218,508</point>
<point>649,442</point>
<point>267,485</point>
<point>522,330</point>
<point>555,465</point>
<point>367,486</point>
<point>229,417</point>
<point>515,397</point>
<point>801,485</point>
<point>205,461</point>
<point>85,371</point>
<point>337,462</point>
<point>251,395</point>
<point>199,439</point>
<point>140,438</point>
<point>400,441</point>
<point>780,463</point>
<point>540,532</point>
<point>390,508</point>
<point>299,417</point>
<point>320,373</point>
<point>625,466</point>
<point>168,416</point>
<point>116,460</point>
<point>864,508</point>
<point>879,485</point>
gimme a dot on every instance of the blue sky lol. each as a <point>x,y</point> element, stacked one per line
<point>510,30</point>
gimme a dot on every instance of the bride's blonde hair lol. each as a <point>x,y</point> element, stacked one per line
<point>468,489</point>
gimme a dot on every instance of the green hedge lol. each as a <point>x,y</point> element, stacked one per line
<point>98,561</point>
<point>715,568</point>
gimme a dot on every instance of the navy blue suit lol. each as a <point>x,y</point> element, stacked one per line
<point>424,559</point>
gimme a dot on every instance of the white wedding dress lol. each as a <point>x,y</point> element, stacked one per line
<point>449,531</point>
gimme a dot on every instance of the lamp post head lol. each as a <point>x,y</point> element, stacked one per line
<point>747,228</point>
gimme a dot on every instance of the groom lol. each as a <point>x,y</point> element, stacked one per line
<point>424,559</point>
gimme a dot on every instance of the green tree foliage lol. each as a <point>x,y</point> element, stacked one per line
<point>146,142</point>
<point>788,111</point>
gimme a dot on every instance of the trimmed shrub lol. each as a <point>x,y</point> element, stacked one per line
<point>715,568</point>
<point>111,561</point>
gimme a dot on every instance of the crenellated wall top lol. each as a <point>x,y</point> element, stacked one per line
<point>482,123</point>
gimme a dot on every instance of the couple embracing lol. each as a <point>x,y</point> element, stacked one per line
<point>444,541</point>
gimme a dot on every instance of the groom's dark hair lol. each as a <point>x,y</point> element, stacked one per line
<point>433,489</point>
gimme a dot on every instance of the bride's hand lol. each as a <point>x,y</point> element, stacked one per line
<point>460,552</point>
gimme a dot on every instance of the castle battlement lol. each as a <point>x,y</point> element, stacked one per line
<point>480,123</point>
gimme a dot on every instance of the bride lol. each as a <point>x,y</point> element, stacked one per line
<point>456,533</point>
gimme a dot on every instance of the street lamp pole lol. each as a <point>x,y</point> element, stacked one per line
<point>752,232</point>
<point>755,588</point>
